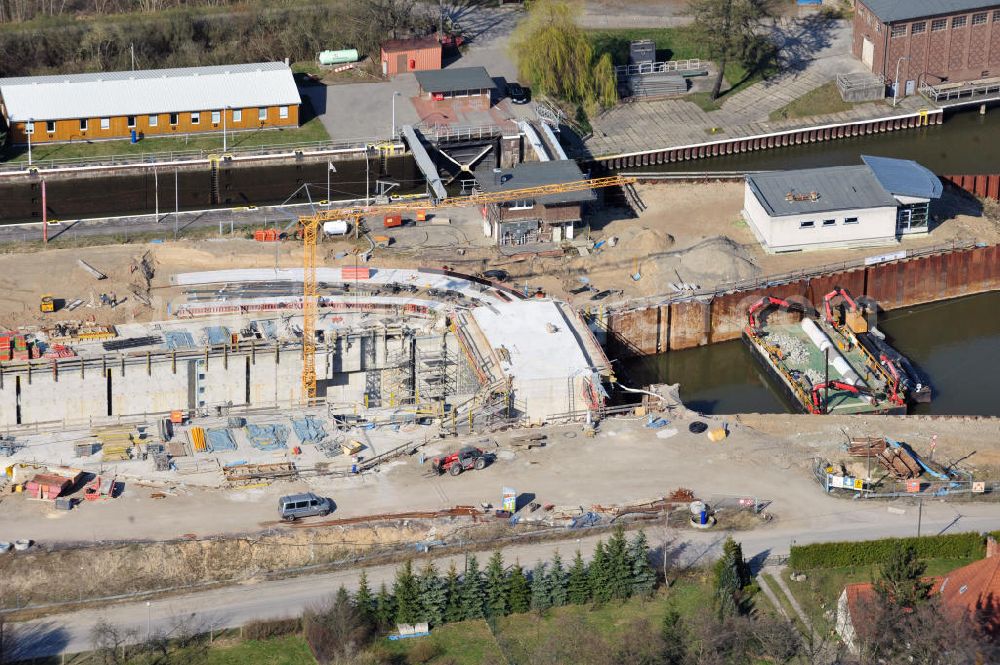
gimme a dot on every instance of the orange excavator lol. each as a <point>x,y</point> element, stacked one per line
<point>819,392</point>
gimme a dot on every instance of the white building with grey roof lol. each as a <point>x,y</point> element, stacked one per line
<point>871,204</point>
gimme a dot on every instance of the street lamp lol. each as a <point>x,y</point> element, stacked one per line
<point>224,129</point>
<point>330,168</point>
<point>395,94</point>
<point>30,127</point>
<point>895,86</point>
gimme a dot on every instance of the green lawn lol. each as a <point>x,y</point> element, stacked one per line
<point>672,44</point>
<point>819,592</point>
<point>517,636</point>
<point>312,130</point>
<point>824,99</point>
<point>291,650</point>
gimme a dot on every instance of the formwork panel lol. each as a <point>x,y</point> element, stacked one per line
<point>729,311</point>
<point>689,324</point>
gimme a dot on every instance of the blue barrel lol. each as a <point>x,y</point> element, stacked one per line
<point>703,517</point>
<point>135,136</point>
<point>354,468</point>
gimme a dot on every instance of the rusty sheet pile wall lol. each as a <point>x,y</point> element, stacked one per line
<point>689,323</point>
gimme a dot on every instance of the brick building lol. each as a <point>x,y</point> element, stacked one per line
<point>937,40</point>
<point>153,102</point>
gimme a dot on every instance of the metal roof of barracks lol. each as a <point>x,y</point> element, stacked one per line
<point>105,94</point>
<point>891,11</point>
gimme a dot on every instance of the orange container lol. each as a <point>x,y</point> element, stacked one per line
<point>421,215</point>
<point>391,221</point>
<point>177,417</point>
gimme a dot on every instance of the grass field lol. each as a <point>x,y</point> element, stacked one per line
<point>518,636</point>
<point>824,99</point>
<point>290,650</point>
<point>311,130</point>
<point>673,44</point>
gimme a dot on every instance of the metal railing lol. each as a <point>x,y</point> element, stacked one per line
<point>659,67</point>
<point>965,92</point>
<point>173,156</point>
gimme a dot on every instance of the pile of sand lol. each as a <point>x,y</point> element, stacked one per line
<point>707,264</point>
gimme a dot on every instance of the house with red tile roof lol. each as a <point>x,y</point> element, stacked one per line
<point>973,590</point>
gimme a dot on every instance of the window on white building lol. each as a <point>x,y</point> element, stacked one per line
<point>829,222</point>
<point>807,225</point>
<point>850,220</point>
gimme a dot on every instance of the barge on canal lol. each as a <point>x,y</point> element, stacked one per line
<point>835,361</point>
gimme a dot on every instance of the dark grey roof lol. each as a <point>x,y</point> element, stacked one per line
<point>891,11</point>
<point>451,80</point>
<point>534,174</point>
<point>904,177</point>
<point>836,188</point>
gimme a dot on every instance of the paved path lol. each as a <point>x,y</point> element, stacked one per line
<point>813,52</point>
<point>235,605</point>
<point>765,586</point>
<point>775,573</point>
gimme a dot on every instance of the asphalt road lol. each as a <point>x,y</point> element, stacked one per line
<point>233,606</point>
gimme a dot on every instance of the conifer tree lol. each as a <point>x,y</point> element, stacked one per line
<point>541,588</point>
<point>453,591</point>
<point>558,581</point>
<point>406,594</point>
<point>496,587</point>
<point>433,595</point>
<point>342,598</point>
<point>619,566</point>
<point>385,608</point>
<point>675,639</point>
<point>473,597</point>
<point>643,575</point>
<point>363,600</point>
<point>578,584</point>
<point>518,591</point>
<point>597,573</point>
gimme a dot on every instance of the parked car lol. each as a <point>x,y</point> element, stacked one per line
<point>294,506</point>
<point>517,93</point>
<point>496,275</point>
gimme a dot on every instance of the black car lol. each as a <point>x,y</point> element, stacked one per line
<point>517,94</point>
<point>497,275</point>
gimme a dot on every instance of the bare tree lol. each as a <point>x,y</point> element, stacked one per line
<point>110,642</point>
<point>730,31</point>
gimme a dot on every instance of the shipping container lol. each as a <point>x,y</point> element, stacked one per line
<point>392,221</point>
<point>410,55</point>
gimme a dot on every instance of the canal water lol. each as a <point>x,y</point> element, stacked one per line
<point>239,185</point>
<point>965,143</point>
<point>955,342</point>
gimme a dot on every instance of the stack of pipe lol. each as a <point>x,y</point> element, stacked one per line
<point>824,344</point>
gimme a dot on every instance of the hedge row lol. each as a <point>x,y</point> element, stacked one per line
<point>870,552</point>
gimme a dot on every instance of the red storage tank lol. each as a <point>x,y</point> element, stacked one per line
<point>410,55</point>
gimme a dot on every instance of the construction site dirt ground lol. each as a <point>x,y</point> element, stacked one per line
<point>690,233</point>
<point>769,457</point>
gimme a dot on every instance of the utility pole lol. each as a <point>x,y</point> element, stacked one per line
<point>156,189</point>
<point>131,47</point>
<point>920,514</point>
<point>177,203</point>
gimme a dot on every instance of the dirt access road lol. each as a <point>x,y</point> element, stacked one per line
<point>768,457</point>
<point>234,606</point>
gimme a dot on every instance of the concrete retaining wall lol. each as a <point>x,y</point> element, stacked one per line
<point>690,323</point>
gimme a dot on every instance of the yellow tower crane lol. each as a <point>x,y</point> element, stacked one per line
<point>310,233</point>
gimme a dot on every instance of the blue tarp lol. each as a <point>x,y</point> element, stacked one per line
<point>268,437</point>
<point>219,439</point>
<point>179,340</point>
<point>308,429</point>
<point>217,335</point>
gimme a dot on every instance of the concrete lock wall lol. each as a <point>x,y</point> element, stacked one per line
<point>721,317</point>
